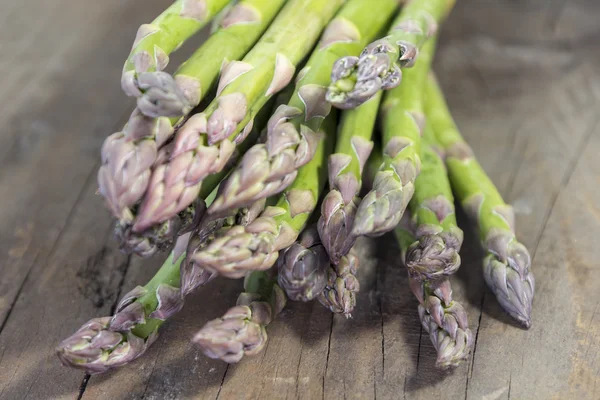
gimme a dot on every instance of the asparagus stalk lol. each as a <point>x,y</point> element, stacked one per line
<point>403,121</point>
<point>242,330</point>
<point>339,294</point>
<point>506,267</point>
<point>269,168</point>
<point>430,243</point>
<point>256,247</point>
<point>105,343</point>
<point>353,148</point>
<point>434,254</point>
<point>302,268</point>
<point>373,164</point>
<point>162,94</point>
<point>205,143</point>
<point>154,42</point>
<point>356,79</point>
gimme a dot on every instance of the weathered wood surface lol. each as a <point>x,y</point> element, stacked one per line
<point>523,81</point>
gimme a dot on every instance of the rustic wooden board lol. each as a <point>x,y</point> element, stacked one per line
<point>522,80</point>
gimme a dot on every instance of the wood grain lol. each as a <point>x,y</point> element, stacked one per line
<point>523,83</point>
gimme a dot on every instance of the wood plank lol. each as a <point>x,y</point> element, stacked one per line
<point>52,146</point>
<point>79,280</point>
<point>544,161</point>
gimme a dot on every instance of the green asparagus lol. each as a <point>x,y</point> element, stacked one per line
<point>441,316</point>
<point>403,121</point>
<point>339,206</point>
<point>434,254</point>
<point>163,94</point>
<point>357,79</point>
<point>430,242</point>
<point>161,236</point>
<point>506,267</point>
<point>128,156</point>
<point>154,42</point>
<point>110,342</point>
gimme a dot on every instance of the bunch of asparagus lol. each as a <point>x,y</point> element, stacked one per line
<point>227,162</point>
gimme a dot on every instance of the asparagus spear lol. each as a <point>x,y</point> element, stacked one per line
<point>205,143</point>
<point>302,268</point>
<point>269,168</point>
<point>357,79</point>
<point>339,294</point>
<point>105,343</point>
<point>242,330</point>
<point>353,148</point>
<point>434,254</point>
<point>430,243</point>
<point>402,111</point>
<point>154,42</point>
<point>256,247</point>
<point>162,94</point>
<point>506,267</point>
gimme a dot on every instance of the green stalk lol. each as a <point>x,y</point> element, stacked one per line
<point>357,79</point>
<point>269,168</point>
<point>435,252</point>
<point>175,96</point>
<point>507,264</point>
<point>403,121</point>
<point>430,243</point>
<point>373,164</point>
<point>154,42</point>
<point>168,274</point>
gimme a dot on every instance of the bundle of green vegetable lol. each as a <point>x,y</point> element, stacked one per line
<point>241,165</point>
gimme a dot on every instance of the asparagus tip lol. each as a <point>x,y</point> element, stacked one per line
<point>433,256</point>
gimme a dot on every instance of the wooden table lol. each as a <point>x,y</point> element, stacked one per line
<point>523,81</point>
